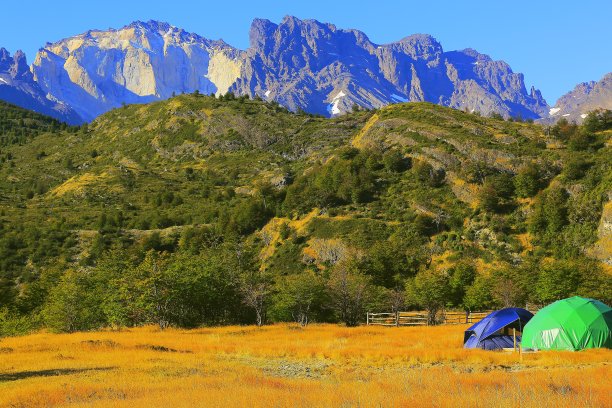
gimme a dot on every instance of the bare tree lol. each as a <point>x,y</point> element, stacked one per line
<point>255,288</point>
<point>349,290</point>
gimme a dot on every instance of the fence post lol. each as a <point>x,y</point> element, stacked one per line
<point>367,318</point>
<point>396,318</point>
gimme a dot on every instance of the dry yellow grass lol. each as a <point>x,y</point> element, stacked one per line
<point>286,366</point>
<point>78,184</point>
<point>358,139</point>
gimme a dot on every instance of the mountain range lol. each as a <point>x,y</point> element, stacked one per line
<point>301,64</point>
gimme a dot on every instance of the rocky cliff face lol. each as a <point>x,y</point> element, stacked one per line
<point>302,64</point>
<point>585,97</point>
<point>322,69</point>
<point>99,70</point>
<point>17,86</point>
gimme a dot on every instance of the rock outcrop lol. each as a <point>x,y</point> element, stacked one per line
<point>100,70</point>
<point>17,86</point>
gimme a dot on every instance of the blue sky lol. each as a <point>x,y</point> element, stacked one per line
<point>556,44</point>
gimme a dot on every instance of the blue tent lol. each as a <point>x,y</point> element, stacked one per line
<point>495,331</point>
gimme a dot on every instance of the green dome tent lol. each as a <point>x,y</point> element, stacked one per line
<point>575,323</point>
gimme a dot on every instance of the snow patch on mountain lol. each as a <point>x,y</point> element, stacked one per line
<point>553,111</point>
<point>333,108</point>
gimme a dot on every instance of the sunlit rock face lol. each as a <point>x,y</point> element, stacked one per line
<point>99,70</point>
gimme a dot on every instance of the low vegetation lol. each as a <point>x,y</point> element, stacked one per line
<point>287,365</point>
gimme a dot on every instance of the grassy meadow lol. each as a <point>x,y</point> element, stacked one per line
<point>286,365</point>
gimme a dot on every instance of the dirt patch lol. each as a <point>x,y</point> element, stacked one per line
<point>561,389</point>
<point>293,369</point>
<point>100,344</point>
<point>162,349</point>
<point>22,375</point>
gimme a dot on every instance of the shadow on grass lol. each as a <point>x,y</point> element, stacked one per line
<point>22,375</point>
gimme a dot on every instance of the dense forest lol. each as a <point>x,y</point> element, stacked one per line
<point>201,210</point>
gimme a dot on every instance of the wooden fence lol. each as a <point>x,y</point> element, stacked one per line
<point>420,318</point>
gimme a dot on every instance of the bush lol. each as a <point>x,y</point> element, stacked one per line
<point>496,193</point>
<point>581,140</point>
<point>528,181</point>
<point>427,174</point>
<point>576,168</point>
<point>395,161</point>
<point>300,298</point>
<point>73,304</point>
<point>563,130</point>
<point>429,289</point>
<point>13,324</point>
<point>598,120</point>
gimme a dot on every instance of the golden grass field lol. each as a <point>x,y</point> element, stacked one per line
<point>288,366</point>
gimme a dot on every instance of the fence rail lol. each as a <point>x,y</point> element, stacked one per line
<point>420,318</point>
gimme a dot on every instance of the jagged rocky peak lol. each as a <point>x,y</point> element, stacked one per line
<point>419,46</point>
<point>318,67</point>
<point>20,68</point>
<point>17,86</point>
<point>152,25</point>
<point>16,66</point>
<point>585,97</point>
<point>5,59</point>
<point>292,33</point>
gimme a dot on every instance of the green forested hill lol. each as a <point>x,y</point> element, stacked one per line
<point>199,210</point>
<point>18,125</point>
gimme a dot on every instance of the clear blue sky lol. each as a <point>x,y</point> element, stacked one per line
<point>556,44</point>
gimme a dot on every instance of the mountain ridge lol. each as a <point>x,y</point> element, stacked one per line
<point>414,68</point>
<point>585,97</point>
<point>302,64</point>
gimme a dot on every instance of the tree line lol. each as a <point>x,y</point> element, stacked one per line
<point>222,282</point>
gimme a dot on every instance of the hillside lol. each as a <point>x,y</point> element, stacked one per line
<point>233,205</point>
